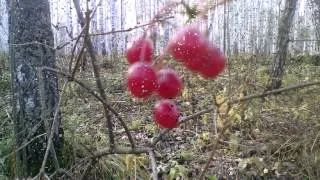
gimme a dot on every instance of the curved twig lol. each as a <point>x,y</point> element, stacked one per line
<point>96,71</point>
<point>53,127</point>
<point>245,98</point>
<point>92,92</point>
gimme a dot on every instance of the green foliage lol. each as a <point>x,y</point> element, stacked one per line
<point>136,124</point>
<point>186,155</point>
<point>234,143</point>
<point>212,178</point>
<point>6,137</point>
<point>6,157</point>
<point>150,128</point>
<point>5,79</point>
<point>305,59</point>
<point>177,171</point>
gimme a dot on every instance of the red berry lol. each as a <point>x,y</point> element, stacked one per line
<point>215,64</point>
<point>141,50</point>
<point>166,114</point>
<point>187,43</point>
<point>169,83</point>
<point>141,80</point>
<point>197,63</point>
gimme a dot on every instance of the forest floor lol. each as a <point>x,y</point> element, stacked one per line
<point>275,137</point>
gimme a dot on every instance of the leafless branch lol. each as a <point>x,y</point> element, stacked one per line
<point>292,40</point>
<point>153,163</point>
<point>45,116</point>
<point>132,28</point>
<point>53,127</point>
<point>106,151</point>
<point>92,92</point>
<point>96,71</point>
<point>245,98</point>
<point>58,27</point>
<point>23,146</point>
<point>226,125</point>
<point>74,49</point>
<point>276,91</point>
<point>88,169</point>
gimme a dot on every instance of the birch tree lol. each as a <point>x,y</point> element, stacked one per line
<point>282,45</point>
<point>315,6</point>
<point>35,93</point>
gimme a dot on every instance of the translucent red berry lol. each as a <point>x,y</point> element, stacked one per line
<point>187,43</point>
<point>166,114</point>
<point>169,83</point>
<point>215,64</point>
<point>196,63</point>
<point>141,80</point>
<point>141,50</point>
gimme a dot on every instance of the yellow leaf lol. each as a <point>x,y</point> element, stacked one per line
<point>220,98</point>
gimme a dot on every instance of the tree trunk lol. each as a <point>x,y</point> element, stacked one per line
<point>101,19</point>
<point>282,45</point>
<point>31,47</point>
<point>315,6</point>
<point>114,19</point>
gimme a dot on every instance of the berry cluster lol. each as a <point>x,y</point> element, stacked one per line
<point>190,47</point>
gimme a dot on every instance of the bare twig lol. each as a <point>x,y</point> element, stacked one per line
<point>96,72</point>
<point>88,169</point>
<point>58,27</point>
<point>245,98</point>
<point>226,125</point>
<point>77,65</point>
<point>23,146</point>
<point>74,50</point>
<point>276,91</point>
<point>53,127</point>
<point>61,171</point>
<point>132,28</point>
<point>33,43</point>
<point>45,116</point>
<point>292,40</point>
<point>92,92</point>
<point>183,120</point>
<point>283,145</point>
<point>153,165</point>
<point>106,151</point>
<point>314,142</point>
<point>112,32</point>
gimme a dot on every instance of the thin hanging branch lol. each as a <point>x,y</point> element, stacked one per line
<point>53,128</point>
<point>96,95</point>
<point>74,50</point>
<point>49,131</point>
<point>112,32</point>
<point>96,71</point>
<point>132,28</point>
